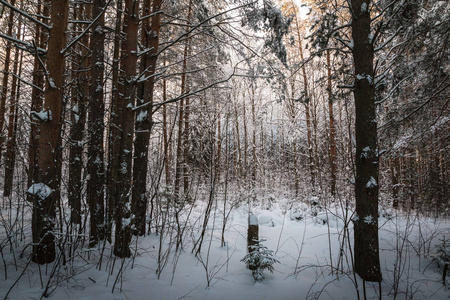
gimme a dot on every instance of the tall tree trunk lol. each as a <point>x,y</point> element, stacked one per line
<point>254,162</point>
<point>238,162</point>
<point>79,100</point>
<point>5,81</point>
<point>245,151</point>
<point>306,100</point>
<point>179,169</point>
<point>307,104</point>
<point>293,117</point>
<point>37,94</point>
<point>219,144</point>
<point>114,133</point>
<point>125,102</point>
<point>185,144</point>
<point>45,190</point>
<point>165,135</point>
<point>95,195</point>
<point>179,158</point>
<point>367,260</point>
<point>150,40</point>
<point>12,120</point>
<point>332,141</point>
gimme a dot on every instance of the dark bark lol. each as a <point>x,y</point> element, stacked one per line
<point>95,165</point>
<point>10,157</point>
<point>114,133</point>
<point>150,36</point>
<point>293,115</point>
<point>125,102</point>
<point>367,261</point>
<point>165,136</point>
<point>307,104</point>
<point>185,144</point>
<point>179,169</point>
<point>238,161</point>
<point>252,236</point>
<point>332,141</point>
<point>179,158</point>
<point>5,81</point>
<point>79,101</point>
<point>395,176</point>
<point>49,163</point>
<point>254,160</point>
<point>37,95</point>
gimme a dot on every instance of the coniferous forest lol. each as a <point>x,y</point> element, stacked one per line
<point>236,149</point>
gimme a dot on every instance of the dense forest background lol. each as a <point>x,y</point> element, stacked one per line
<point>118,117</point>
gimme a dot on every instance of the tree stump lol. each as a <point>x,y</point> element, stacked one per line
<point>252,236</point>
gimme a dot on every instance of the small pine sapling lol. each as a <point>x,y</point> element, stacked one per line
<point>259,259</point>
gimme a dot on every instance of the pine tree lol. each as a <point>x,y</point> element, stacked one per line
<point>45,190</point>
<point>367,260</point>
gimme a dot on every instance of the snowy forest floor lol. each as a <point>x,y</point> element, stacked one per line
<point>305,239</point>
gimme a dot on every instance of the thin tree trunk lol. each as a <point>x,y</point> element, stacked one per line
<point>307,105</point>
<point>227,171</point>
<point>367,260</point>
<point>179,170</point>
<point>12,120</point>
<point>254,163</point>
<point>167,148</point>
<point>78,117</point>
<point>150,37</point>
<point>46,189</point>
<point>114,133</point>
<point>333,152</point>
<point>293,116</point>
<point>395,174</point>
<point>185,144</point>
<point>179,159</point>
<point>238,146</point>
<point>37,94</point>
<point>95,194</point>
<point>126,101</point>
<point>219,145</point>
<point>245,152</point>
<point>165,135</point>
<point>4,90</point>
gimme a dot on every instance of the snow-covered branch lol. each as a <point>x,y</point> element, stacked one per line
<point>27,46</point>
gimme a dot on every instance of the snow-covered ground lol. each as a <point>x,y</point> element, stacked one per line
<point>301,237</point>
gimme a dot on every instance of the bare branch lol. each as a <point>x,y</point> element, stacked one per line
<point>75,40</point>
<point>157,106</point>
<point>28,83</point>
<point>26,15</point>
<point>441,88</point>
<point>388,40</point>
